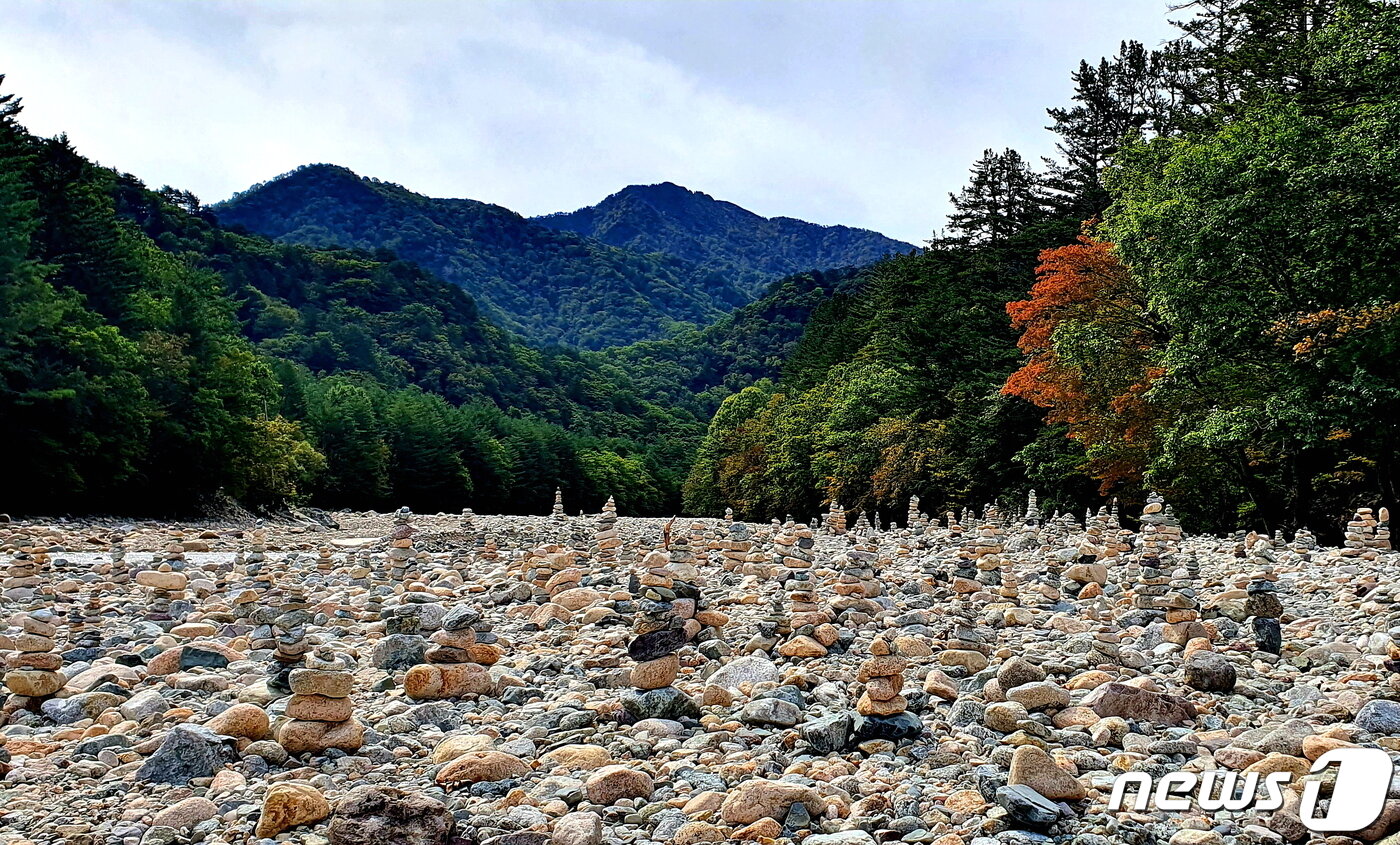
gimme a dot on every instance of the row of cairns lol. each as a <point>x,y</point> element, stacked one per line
<point>456,658</point>
<point>1366,535</point>
<point>320,715</point>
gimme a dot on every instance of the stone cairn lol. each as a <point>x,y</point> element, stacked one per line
<point>118,571</point>
<point>456,659</point>
<point>882,710</point>
<point>22,574</point>
<point>557,512</point>
<point>659,631</point>
<point>257,550</point>
<point>32,672</point>
<point>1146,571</point>
<point>805,614</point>
<point>1262,603</point>
<point>856,584</point>
<point>606,541</point>
<point>401,554</point>
<point>1380,540</point>
<point>166,585</point>
<point>320,714</point>
<point>835,521</point>
<point>289,634</point>
<point>912,518</point>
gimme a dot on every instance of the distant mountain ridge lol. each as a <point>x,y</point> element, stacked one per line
<point>694,226</point>
<point>633,267</point>
<point>546,285</point>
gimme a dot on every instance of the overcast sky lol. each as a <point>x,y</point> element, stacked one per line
<point>863,113</point>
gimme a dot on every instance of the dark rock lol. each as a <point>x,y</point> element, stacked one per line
<point>1208,671</point>
<point>398,651</point>
<point>382,815</point>
<point>656,645</point>
<point>664,703</point>
<point>829,733</point>
<point>192,657</point>
<point>1027,806</point>
<point>188,752</point>
<point>899,727</point>
<point>1268,636</point>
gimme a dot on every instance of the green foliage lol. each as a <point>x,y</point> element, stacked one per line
<point>721,237</point>
<point>546,285</point>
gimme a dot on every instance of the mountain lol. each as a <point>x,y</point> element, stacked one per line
<point>698,228</point>
<point>547,285</point>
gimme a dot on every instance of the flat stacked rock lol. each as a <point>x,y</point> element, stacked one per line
<point>557,512</point>
<point>320,714</point>
<point>32,673</point>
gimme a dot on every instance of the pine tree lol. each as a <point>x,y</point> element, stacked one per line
<point>1002,196</point>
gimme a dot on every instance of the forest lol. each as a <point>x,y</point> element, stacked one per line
<point>1195,296</point>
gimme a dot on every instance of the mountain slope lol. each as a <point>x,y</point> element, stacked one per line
<point>694,226</point>
<point>548,286</point>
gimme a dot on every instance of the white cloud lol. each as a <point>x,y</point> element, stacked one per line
<point>838,112</point>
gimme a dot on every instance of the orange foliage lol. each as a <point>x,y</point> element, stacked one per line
<point>1103,402</point>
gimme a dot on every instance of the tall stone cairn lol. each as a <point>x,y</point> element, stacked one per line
<point>320,714</point>
<point>835,522</point>
<point>912,517</point>
<point>658,634</point>
<point>289,634</point>
<point>557,512</point>
<point>606,541</point>
<point>118,571</point>
<point>401,554</point>
<point>32,672</point>
<point>805,612</point>
<point>1262,604</point>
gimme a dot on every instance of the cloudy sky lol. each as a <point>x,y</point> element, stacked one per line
<point>864,113</point>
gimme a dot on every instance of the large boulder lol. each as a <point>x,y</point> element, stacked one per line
<point>383,815</point>
<point>1131,702</point>
<point>186,753</point>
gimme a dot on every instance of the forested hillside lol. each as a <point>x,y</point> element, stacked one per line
<point>1213,311</point>
<point>754,250</point>
<point>547,286</point>
<point>154,361</point>
<point>1195,295</point>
